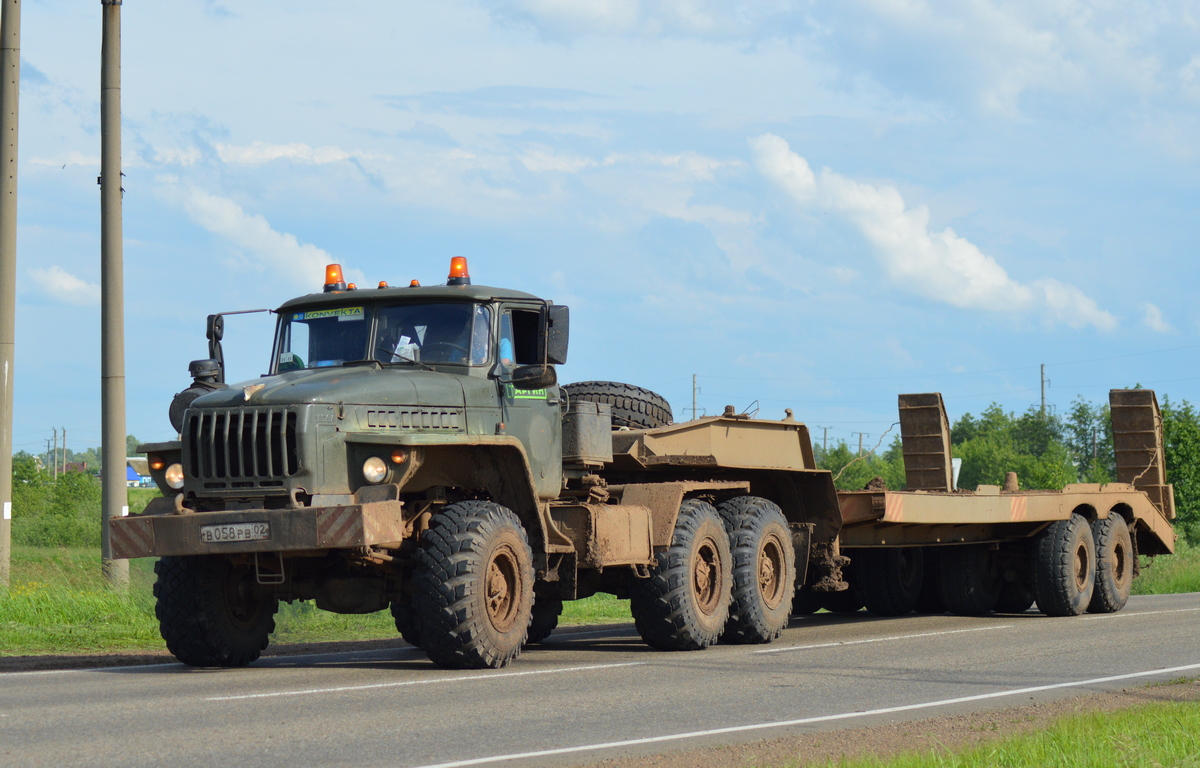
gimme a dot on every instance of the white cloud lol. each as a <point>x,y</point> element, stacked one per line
<point>278,252</point>
<point>70,158</point>
<point>60,285</point>
<point>938,265</point>
<point>1154,320</point>
<point>260,153</point>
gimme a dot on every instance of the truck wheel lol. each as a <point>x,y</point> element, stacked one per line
<point>473,586</point>
<point>406,622</point>
<point>1065,557</point>
<point>684,604</point>
<point>891,579</point>
<point>930,600</point>
<point>764,570</point>
<point>546,611</point>
<point>631,406</point>
<point>1114,565</point>
<point>211,612</point>
<point>970,580</point>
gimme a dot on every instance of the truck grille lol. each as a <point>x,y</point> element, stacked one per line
<point>247,446</point>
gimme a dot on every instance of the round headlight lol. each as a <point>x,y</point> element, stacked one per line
<point>375,470</point>
<point>174,476</point>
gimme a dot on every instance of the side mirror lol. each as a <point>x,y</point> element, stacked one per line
<point>534,377</point>
<point>215,330</point>
<point>558,329</point>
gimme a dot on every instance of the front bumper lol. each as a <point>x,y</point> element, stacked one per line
<point>379,523</point>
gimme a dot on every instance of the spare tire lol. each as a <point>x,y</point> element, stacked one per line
<point>632,406</point>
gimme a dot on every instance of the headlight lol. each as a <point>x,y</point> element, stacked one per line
<point>375,470</point>
<point>174,476</point>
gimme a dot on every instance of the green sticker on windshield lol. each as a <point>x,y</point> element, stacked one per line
<point>341,313</point>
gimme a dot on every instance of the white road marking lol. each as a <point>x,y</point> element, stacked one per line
<point>268,661</point>
<point>882,639</point>
<point>1126,615</point>
<point>481,677</point>
<point>807,720</point>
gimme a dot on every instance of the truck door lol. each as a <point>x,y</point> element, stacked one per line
<point>531,416</point>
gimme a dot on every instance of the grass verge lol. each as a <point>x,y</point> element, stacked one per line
<point>1149,735</point>
<point>1170,574</point>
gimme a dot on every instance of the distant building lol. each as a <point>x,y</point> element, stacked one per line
<point>137,471</point>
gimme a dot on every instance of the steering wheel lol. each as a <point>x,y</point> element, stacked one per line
<point>427,357</point>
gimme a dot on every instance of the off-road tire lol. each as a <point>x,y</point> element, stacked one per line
<point>473,586</point>
<point>1114,564</point>
<point>546,611</point>
<point>1065,567</point>
<point>210,612</point>
<point>891,579</point>
<point>931,600</point>
<point>406,622</point>
<point>684,604</point>
<point>764,570</point>
<point>632,406</point>
<point>971,580</point>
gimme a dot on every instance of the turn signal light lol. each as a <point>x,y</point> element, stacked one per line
<point>156,463</point>
<point>458,271</point>
<point>333,278</point>
<point>399,455</point>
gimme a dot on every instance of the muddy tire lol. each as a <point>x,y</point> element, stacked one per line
<point>406,622</point>
<point>930,600</point>
<point>764,570</point>
<point>1114,565</point>
<point>891,579</point>
<point>684,604</point>
<point>971,580</point>
<point>632,406</point>
<point>1065,566</point>
<point>212,613</point>
<point>546,611</point>
<point>473,586</point>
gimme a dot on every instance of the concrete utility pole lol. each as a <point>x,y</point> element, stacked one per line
<point>1043,390</point>
<point>10,74</point>
<point>54,474</point>
<point>115,494</point>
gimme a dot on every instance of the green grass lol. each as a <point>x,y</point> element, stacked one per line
<point>59,602</point>
<point>1170,574</point>
<point>1161,734</point>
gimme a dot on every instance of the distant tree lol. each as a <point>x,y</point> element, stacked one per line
<point>1089,438</point>
<point>131,444</point>
<point>1181,443</point>
<point>997,443</point>
<point>856,474</point>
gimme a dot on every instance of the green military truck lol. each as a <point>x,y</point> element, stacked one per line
<point>410,448</point>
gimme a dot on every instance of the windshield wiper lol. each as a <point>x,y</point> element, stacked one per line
<point>400,360</point>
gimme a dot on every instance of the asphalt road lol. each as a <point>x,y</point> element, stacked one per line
<point>587,695</point>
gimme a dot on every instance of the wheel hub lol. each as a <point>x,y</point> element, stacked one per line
<point>502,585</point>
<point>706,574</point>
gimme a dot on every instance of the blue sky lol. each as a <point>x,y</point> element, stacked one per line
<point>808,205</point>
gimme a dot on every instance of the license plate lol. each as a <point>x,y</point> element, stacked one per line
<point>220,534</point>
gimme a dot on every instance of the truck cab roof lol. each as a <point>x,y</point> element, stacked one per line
<point>408,293</point>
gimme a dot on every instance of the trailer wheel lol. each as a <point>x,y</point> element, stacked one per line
<point>891,579</point>
<point>764,570</point>
<point>406,622</point>
<point>211,612</point>
<point>971,580</point>
<point>1114,565</point>
<point>473,586</point>
<point>1065,567</point>
<point>546,611</point>
<point>631,406</point>
<point>683,606</point>
<point>930,600</point>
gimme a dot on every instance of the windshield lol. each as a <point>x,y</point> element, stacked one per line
<point>457,332</point>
